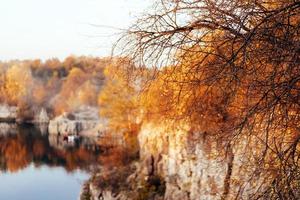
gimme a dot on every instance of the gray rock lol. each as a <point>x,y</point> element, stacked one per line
<point>8,113</point>
<point>73,123</point>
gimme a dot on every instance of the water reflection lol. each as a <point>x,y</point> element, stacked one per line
<point>42,183</point>
<point>22,145</point>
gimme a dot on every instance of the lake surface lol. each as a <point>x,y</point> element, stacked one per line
<point>38,166</point>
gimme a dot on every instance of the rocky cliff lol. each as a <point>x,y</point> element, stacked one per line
<point>41,117</point>
<point>196,165</point>
<point>72,123</point>
<point>8,113</point>
<point>191,166</point>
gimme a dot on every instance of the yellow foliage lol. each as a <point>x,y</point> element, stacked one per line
<point>118,99</point>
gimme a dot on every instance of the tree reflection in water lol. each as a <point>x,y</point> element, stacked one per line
<point>21,145</point>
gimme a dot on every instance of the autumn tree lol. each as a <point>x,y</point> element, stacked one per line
<point>18,80</point>
<point>118,98</point>
<point>119,102</point>
<point>233,65</point>
<point>2,86</point>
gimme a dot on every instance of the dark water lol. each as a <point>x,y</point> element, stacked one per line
<point>37,166</point>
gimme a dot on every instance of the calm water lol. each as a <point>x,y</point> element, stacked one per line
<point>36,166</point>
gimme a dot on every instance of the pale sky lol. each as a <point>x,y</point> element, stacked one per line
<point>58,28</point>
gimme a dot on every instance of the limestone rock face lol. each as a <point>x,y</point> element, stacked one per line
<point>111,183</point>
<point>195,166</point>
<point>41,116</point>
<point>192,166</point>
<point>8,113</point>
<point>72,123</point>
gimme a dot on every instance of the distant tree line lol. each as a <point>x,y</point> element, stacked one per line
<point>58,86</point>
